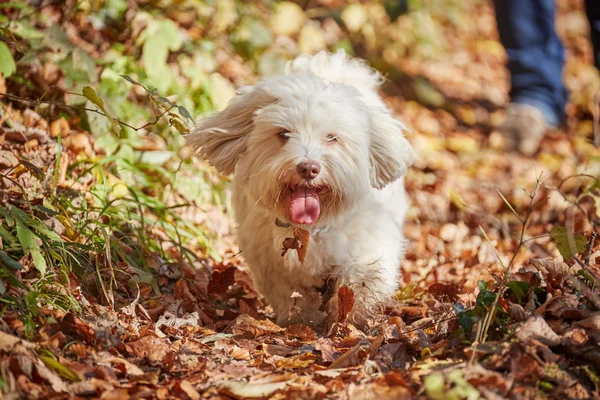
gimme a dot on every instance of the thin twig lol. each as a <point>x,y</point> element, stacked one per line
<point>590,247</point>
<point>482,333</point>
<point>82,108</point>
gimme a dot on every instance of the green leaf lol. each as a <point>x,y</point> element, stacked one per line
<point>485,297</point>
<point>162,36</point>
<point>35,224</point>
<point>434,386</point>
<point>132,81</point>
<point>158,157</point>
<point>31,302</point>
<point>2,287</point>
<point>467,319</point>
<point>568,243</point>
<point>7,235</point>
<point>10,220</point>
<point>519,289</point>
<point>185,113</point>
<point>28,241</point>
<point>60,369</point>
<point>7,62</point>
<point>7,261</point>
<point>91,95</point>
<point>58,41</point>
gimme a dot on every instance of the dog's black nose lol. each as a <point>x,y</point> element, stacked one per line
<point>309,169</point>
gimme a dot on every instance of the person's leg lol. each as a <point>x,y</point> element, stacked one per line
<point>592,8</point>
<point>535,54</point>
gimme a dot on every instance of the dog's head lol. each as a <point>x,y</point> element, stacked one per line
<point>304,148</point>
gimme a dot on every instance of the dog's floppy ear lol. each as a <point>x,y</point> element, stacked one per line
<point>390,152</point>
<point>221,138</point>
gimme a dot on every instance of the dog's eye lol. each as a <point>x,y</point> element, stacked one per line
<point>331,138</point>
<point>284,135</point>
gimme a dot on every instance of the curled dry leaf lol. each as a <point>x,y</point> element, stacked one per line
<point>240,353</point>
<point>537,328</point>
<point>299,243</point>
<point>244,324</point>
<point>185,390</point>
<point>151,348</point>
<point>517,312</point>
<point>250,389</point>
<point>299,361</point>
<point>300,331</point>
<point>554,268</point>
<point>593,322</point>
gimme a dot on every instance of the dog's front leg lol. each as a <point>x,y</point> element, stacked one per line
<point>294,300</point>
<point>373,285</point>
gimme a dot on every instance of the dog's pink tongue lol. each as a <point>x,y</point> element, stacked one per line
<point>304,206</point>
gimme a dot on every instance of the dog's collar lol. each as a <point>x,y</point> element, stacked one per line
<point>283,224</point>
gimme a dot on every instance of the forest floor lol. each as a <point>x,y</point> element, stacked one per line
<point>119,273</point>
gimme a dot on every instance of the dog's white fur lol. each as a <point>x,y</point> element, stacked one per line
<point>357,239</point>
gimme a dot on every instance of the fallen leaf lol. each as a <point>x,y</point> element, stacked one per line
<point>299,361</point>
<point>346,302</point>
<point>537,328</point>
<point>249,389</point>
<point>244,324</point>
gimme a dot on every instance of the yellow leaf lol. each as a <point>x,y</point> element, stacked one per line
<point>457,200</point>
<point>299,361</point>
<point>354,17</point>
<point>91,95</point>
<point>288,19</point>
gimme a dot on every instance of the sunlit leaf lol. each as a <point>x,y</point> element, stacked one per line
<point>7,62</point>
<point>28,241</point>
<point>91,95</point>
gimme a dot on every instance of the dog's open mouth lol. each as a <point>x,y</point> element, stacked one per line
<point>304,205</point>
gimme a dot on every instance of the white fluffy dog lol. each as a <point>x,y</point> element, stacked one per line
<point>315,149</point>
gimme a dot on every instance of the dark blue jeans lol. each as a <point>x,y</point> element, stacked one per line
<point>535,53</point>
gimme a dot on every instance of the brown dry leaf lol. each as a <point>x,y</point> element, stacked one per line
<point>246,324</point>
<point>299,243</point>
<point>352,357</point>
<point>221,280</point>
<point>79,349</point>
<point>517,312</point>
<point>31,145</point>
<point>79,143</point>
<point>593,322</point>
<point>240,353</point>
<point>299,361</point>
<point>555,268</point>
<point>182,291</point>
<point>537,328</point>
<point>250,389</point>
<point>346,302</point>
<point>300,331</point>
<point>444,292</point>
<point>152,348</point>
<point>185,390</point>
<point>327,349</point>
<point>303,237</point>
<point>59,127</point>
<point>8,159</point>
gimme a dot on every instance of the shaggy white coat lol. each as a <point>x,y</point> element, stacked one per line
<point>325,108</point>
